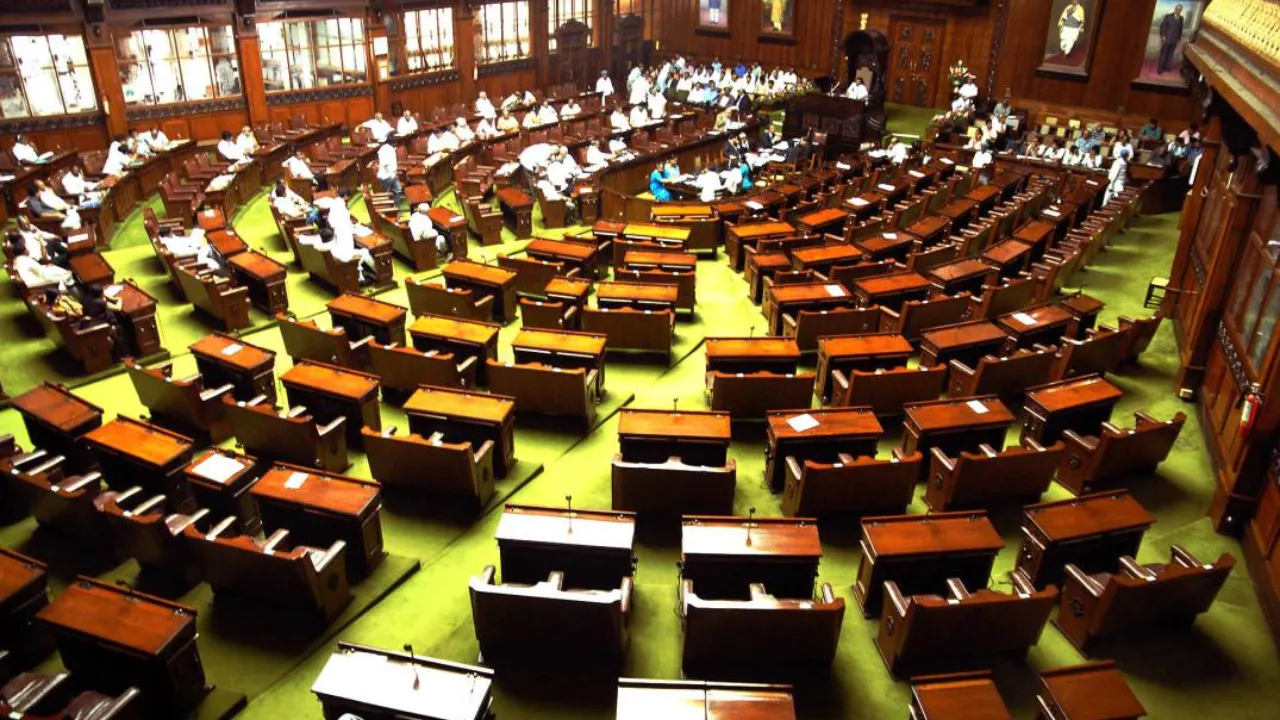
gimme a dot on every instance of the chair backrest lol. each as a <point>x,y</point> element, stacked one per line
<point>294,437</point>
<point>162,395</point>
<point>544,389</point>
<point>763,631</point>
<point>631,329</point>
<point>1011,296</point>
<point>860,486</point>
<point>886,391</point>
<point>304,339</point>
<point>1007,376</point>
<point>754,394</point>
<point>1139,335</point>
<point>398,461</point>
<point>532,274</point>
<point>544,314</point>
<point>1099,353</point>
<point>1180,590</point>
<point>1019,473</point>
<point>404,368</point>
<point>545,617</point>
<point>1121,451</point>
<point>917,316</point>
<point>429,298</point>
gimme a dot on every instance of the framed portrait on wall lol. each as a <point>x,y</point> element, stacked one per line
<point>1173,24</point>
<point>778,19</point>
<point>713,16</point>
<point>1073,31</point>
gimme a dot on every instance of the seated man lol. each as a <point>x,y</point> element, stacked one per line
<point>618,120</point>
<point>407,124</point>
<point>547,114</point>
<point>570,109</point>
<point>464,133</point>
<point>484,108</point>
<point>434,145</point>
<point>639,116</point>
<point>38,242</point>
<point>192,246</point>
<point>378,127</point>
<point>597,159</point>
<point>78,186</point>
<point>39,207</point>
<point>24,151</point>
<point>618,149</point>
<point>536,157</point>
<point>857,90</point>
<point>485,129</point>
<point>507,123</point>
<point>296,165</point>
<point>51,199</point>
<point>154,139</point>
<point>337,237</point>
<point>449,142</point>
<point>421,228</point>
<point>550,191</point>
<point>247,141</point>
<point>531,120</point>
<point>290,204</point>
<point>1151,131</point>
<point>708,183</point>
<point>34,273</point>
<point>230,151</point>
<point>982,160</point>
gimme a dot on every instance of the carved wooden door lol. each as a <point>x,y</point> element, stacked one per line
<point>915,60</point>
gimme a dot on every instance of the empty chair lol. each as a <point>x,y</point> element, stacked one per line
<point>532,274</point>
<point>931,632</point>
<point>403,369</point>
<point>1139,334</point>
<point>986,477</point>
<point>38,483</point>
<point>548,620</point>
<point>673,487</point>
<point>1008,376</point>
<point>435,299</point>
<point>148,532</point>
<point>764,634</point>
<point>182,403</point>
<point>547,314</point>
<point>1095,607</point>
<point>546,389</point>
<point>1098,353</point>
<point>305,340</point>
<point>996,300</point>
<point>1091,463</point>
<point>293,436</point>
<point>215,295</point>
<point>432,464</point>
<point>272,571</point>
<point>651,331</point>
<point>852,486</point>
<point>751,395</point>
<point>886,391</point>
<point>806,326</point>
<point>917,316</point>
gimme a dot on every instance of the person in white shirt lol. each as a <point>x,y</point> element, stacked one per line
<point>640,89</point>
<point>547,114</point>
<point>297,167</point>
<point>407,124</point>
<point>50,198</point>
<point>1072,156</point>
<point>137,147</point>
<point>484,108</point>
<point>229,150</point>
<point>657,104</point>
<point>24,151</point>
<point>511,101</point>
<point>551,192</point>
<point>422,229</point>
<point>485,129</point>
<point>618,149</point>
<point>982,160</point>
<point>1117,176</point>
<point>33,238</point>
<point>448,141</point>
<point>464,133</point>
<point>378,127</point>
<point>604,86</point>
<point>33,273</point>
<point>288,203</point>
<point>731,178</point>
<point>531,120</point>
<point>559,172</point>
<point>117,161</point>
<point>536,157</point>
<point>596,158</point>
<point>1092,160</point>
<point>685,84</point>
<point>618,121</point>
<point>193,245</point>
<point>76,185</point>
<point>246,141</point>
<point>969,90</point>
<point>638,116</point>
<point>857,91</point>
<point>388,168</point>
<point>154,139</point>
<point>898,152</point>
<point>633,75</point>
<point>434,146</point>
<point>341,241</point>
<point>570,109</point>
<point>708,184</point>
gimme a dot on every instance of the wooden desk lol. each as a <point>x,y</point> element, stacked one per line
<point>673,236</point>
<point>958,696</point>
<point>868,352</point>
<point>364,316</point>
<point>265,279</point>
<point>92,269</point>
<point>891,290</point>
<point>464,338</point>
<point>371,683</point>
<point>138,312</point>
<point>696,700</point>
<point>672,213</point>
<point>735,355</point>
<point>131,452</point>
<point>761,266</point>
<point>56,419</point>
<point>792,298</point>
<point>1081,404</point>
<point>112,638</point>
<point>331,392</point>
<point>959,211</point>
<point>655,436</point>
<point>822,258</point>
<point>956,425</point>
<point>24,591</point>
<point>1092,691</point>
<point>671,262</point>
<point>839,430</point>
<point>985,196</point>
<point>740,237</point>
<point>967,342</point>
<point>1009,256</point>
<point>485,280</point>
<point>582,256</point>
<point>593,548</point>
<point>563,349</point>
<point>641,296</point>
<point>1037,234</point>
<point>1090,532</point>
<point>960,275</point>
<point>865,205</point>
<point>921,552</point>
<point>222,359</point>
<point>929,230</point>
<point>885,245</point>
<point>1044,325</point>
<point>820,221</point>
<point>320,508</point>
<point>1085,309</point>
<point>723,556</point>
<point>572,291</point>
<point>471,416</point>
<point>219,481</point>
<point>452,226</point>
<point>517,211</point>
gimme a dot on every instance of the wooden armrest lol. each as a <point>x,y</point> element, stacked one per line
<point>486,575</point>
<point>1087,442</point>
<point>896,599</point>
<point>827,594</point>
<point>1022,582</point>
<point>1183,556</point>
<point>333,554</point>
<point>220,528</point>
<point>336,425</point>
<point>940,456</point>
<point>627,585</point>
<point>1091,586</point>
<point>79,483</point>
<point>1133,569</point>
<point>277,537</point>
<point>216,393</point>
<point>957,588</point>
<point>177,523</point>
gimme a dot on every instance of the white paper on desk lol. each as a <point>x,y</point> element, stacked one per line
<point>232,349</point>
<point>886,187</point>
<point>800,423</point>
<point>858,202</point>
<point>889,236</point>
<point>835,290</point>
<point>1024,318</point>
<point>753,205</point>
<point>948,161</point>
<point>915,173</point>
<point>362,231</point>
<point>218,468</point>
<point>295,481</point>
<point>977,407</point>
<point>78,238</point>
<point>1052,213</point>
<point>113,290</point>
<point>843,166</point>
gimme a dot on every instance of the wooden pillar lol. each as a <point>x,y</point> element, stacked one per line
<point>106,78</point>
<point>540,39</point>
<point>464,43</point>
<point>251,82</point>
<point>375,29</point>
<point>605,22</point>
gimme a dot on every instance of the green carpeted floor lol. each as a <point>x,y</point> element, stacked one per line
<point>1224,667</point>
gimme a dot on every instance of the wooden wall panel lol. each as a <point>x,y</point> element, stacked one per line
<point>423,100</point>
<point>810,53</point>
<point>501,84</point>
<point>1117,58</point>
<point>204,126</point>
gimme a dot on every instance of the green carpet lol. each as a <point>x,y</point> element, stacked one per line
<point>1223,667</point>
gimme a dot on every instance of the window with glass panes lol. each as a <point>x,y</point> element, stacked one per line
<point>45,75</point>
<point>298,55</point>
<point>428,40</point>
<point>650,10</point>
<point>167,65</point>
<point>560,12</point>
<point>502,32</point>
<point>1255,304</point>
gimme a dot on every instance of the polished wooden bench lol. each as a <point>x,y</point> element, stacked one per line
<point>182,403</point>
<point>305,340</point>
<point>1007,377</point>
<point>651,331</point>
<point>887,392</point>
<point>457,468</point>
<point>429,298</point>
<point>215,295</point>
<point>404,369</point>
<point>986,477</point>
<point>851,486</point>
<point>293,436</point>
<point>150,531</point>
<point>546,389</point>
<point>1092,462</point>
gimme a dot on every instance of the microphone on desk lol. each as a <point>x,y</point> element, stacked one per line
<point>568,499</point>
<point>751,514</point>
<point>131,589</point>
<point>675,404</point>
<point>417,681</point>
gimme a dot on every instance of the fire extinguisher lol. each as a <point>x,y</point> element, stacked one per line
<point>1249,410</point>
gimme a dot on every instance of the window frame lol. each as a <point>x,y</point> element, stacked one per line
<point>649,10</point>
<point>524,44</point>
<point>291,52</point>
<point>413,17</point>
<point>14,72</point>
<point>583,11</point>
<point>179,63</point>
<point>1258,275</point>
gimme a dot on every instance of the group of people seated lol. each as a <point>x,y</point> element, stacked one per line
<point>44,203</point>
<point>713,84</point>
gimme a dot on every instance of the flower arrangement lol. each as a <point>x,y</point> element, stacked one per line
<point>958,73</point>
